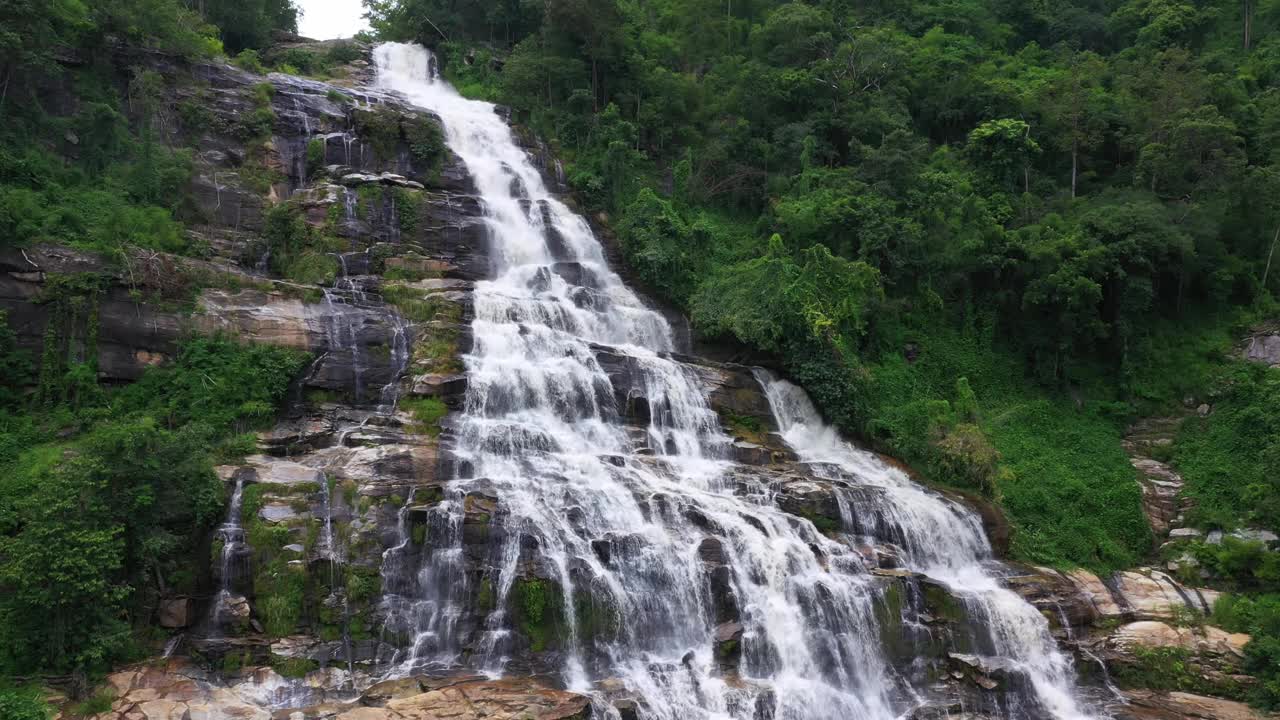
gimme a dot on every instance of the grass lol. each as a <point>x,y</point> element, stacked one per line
<point>1069,490</point>
<point>1058,468</point>
<point>96,704</point>
<point>1230,459</point>
<point>416,306</point>
<point>1172,669</point>
<point>427,413</point>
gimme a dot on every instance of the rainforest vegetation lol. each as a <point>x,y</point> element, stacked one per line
<point>985,235</point>
<point>107,493</point>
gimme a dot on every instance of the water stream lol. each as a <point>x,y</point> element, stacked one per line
<point>618,521</point>
<point>231,535</point>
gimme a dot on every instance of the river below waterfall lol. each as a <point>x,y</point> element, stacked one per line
<point>617,521</point>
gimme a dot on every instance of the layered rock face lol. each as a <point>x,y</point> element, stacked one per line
<point>420,514</point>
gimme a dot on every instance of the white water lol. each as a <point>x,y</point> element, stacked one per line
<point>939,539</point>
<point>617,518</point>
<point>231,535</point>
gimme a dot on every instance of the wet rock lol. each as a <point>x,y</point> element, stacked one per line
<point>1149,594</point>
<point>1161,488</point>
<point>711,550</point>
<point>750,453</point>
<point>1093,591</point>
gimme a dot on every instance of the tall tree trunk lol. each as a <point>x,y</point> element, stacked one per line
<point>1075,166</point>
<point>595,85</point>
<point>1270,255</point>
<point>1248,23</point>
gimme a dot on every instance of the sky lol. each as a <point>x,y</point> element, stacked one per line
<point>327,19</point>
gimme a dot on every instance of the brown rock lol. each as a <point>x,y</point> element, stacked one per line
<point>506,699</point>
<point>1149,705</point>
<point>175,613</point>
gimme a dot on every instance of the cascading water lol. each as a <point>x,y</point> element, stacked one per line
<point>939,539</point>
<point>622,523</point>
<point>231,535</point>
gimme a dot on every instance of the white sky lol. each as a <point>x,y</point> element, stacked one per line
<point>328,19</point>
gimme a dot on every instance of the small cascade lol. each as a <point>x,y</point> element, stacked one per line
<point>350,202</point>
<point>171,645</point>
<point>231,535</point>
<point>939,539</point>
<point>348,307</point>
<point>327,547</point>
<point>347,140</point>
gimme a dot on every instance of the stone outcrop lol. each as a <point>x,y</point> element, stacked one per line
<point>1150,705</point>
<point>1204,640</point>
<point>177,690</point>
<point>1263,346</point>
<point>1162,502</point>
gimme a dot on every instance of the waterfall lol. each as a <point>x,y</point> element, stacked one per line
<point>940,539</point>
<point>231,535</point>
<point>647,547</point>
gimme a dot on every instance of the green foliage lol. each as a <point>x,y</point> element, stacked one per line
<point>23,704</point>
<point>538,609</point>
<point>247,24</point>
<point>300,252</point>
<point>1230,460</point>
<point>250,61</point>
<point>15,366</point>
<point>315,155</point>
<point>419,307</point>
<point>1244,565</point>
<point>96,704</point>
<point>1171,669</point>
<point>216,381</point>
<point>382,127</point>
<point>1260,617</point>
<point>427,413</point>
<point>293,667</point>
<point>426,143</point>
<point>99,500</point>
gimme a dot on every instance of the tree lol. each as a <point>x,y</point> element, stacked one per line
<point>248,24</point>
<point>1200,152</point>
<point>31,32</point>
<point>1004,149</point>
<point>595,26</point>
<point>1075,108</point>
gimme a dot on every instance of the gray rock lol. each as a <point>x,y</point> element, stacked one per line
<point>1264,348</point>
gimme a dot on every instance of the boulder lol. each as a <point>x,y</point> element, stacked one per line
<point>1097,594</point>
<point>176,613</point>
<point>1264,348</point>
<point>1148,594</point>
<point>1207,640</point>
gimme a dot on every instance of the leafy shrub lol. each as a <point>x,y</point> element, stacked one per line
<point>427,413</point>
<point>250,61</point>
<point>1230,460</point>
<point>135,463</point>
<point>23,704</point>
